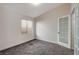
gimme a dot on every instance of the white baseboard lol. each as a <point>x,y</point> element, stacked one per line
<point>14,45</point>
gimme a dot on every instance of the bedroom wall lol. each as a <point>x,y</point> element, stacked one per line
<point>47,24</point>
<point>10,30</point>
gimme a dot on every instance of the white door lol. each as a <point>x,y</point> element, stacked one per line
<point>64,31</point>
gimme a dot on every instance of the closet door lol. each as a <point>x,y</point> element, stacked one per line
<point>64,31</point>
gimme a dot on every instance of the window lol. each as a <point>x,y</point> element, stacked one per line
<point>25,25</point>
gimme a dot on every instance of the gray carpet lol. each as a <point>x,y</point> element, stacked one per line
<point>37,47</point>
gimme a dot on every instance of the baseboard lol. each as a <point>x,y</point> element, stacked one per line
<point>17,45</point>
<point>47,40</point>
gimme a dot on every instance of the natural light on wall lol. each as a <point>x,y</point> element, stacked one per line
<point>25,25</point>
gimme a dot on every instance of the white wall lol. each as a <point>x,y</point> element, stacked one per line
<point>47,24</point>
<point>10,33</point>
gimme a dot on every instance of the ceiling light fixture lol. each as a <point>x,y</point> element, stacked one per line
<point>36,4</point>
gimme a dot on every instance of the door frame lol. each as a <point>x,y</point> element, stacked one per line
<point>69,32</point>
<point>76,48</point>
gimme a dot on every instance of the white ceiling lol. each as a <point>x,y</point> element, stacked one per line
<point>31,10</point>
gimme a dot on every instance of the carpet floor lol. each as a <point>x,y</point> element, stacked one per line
<point>37,47</point>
